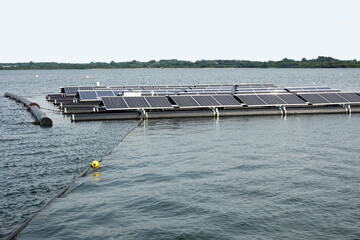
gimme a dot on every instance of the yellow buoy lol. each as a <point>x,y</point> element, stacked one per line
<point>87,77</point>
<point>95,164</point>
<point>36,76</point>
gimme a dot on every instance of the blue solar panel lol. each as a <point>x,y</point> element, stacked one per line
<point>251,100</point>
<point>114,103</point>
<point>87,95</point>
<point>185,101</point>
<point>86,88</point>
<point>271,99</point>
<point>70,90</point>
<point>158,102</point>
<point>206,101</point>
<point>137,102</point>
<point>104,93</point>
<point>226,100</point>
<point>331,98</point>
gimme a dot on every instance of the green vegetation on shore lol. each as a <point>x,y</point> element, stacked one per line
<point>320,62</point>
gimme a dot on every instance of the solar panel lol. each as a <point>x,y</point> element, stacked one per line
<point>104,93</point>
<point>291,99</point>
<point>114,103</point>
<point>87,95</point>
<point>185,101</point>
<point>259,90</point>
<point>251,100</point>
<point>314,91</point>
<point>158,102</point>
<point>313,98</point>
<point>226,100</point>
<point>70,90</point>
<point>206,101</point>
<point>310,89</point>
<point>254,85</point>
<point>86,88</point>
<point>331,98</point>
<point>137,102</point>
<point>350,97</point>
<point>282,99</point>
<point>271,99</point>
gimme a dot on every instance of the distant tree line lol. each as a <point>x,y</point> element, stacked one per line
<point>320,62</point>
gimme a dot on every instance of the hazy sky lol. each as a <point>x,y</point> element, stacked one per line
<point>106,30</point>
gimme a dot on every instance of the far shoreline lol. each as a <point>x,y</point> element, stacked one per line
<point>320,62</point>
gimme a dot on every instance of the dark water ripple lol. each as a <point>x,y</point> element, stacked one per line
<point>232,178</point>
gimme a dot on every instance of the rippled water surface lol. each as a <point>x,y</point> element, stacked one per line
<point>229,178</point>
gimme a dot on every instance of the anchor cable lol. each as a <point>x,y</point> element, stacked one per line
<point>63,190</point>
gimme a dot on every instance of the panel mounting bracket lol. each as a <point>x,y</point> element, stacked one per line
<point>347,108</point>
<point>216,112</point>
<point>283,110</point>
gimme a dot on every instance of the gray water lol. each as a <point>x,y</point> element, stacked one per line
<point>229,178</point>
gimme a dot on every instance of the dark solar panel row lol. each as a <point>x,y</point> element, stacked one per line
<point>331,98</point>
<point>208,91</point>
<point>87,95</point>
<point>124,103</point>
<point>254,85</point>
<point>205,93</point>
<point>315,91</point>
<point>284,99</point>
<point>72,90</point>
<point>205,101</point>
<point>310,89</point>
<point>259,90</point>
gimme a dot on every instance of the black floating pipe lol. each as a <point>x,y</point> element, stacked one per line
<point>59,102</point>
<point>180,114</point>
<point>106,116</point>
<point>315,110</point>
<point>84,103</point>
<point>77,110</point>
<point>249,112</point>
<point>355,109</point>
<point>68,106</point>
<point>49,96</point>
<point>59,99</point>
<point>34,108</point>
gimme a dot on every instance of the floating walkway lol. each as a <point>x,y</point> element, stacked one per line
<point>204,100</point>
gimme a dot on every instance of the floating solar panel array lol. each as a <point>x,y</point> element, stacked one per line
<point>331,98</point>
<point>174,98</point>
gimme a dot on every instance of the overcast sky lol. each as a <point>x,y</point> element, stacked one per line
<point>116,30</point>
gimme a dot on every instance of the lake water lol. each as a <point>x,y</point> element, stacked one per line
<point>229,178</point>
